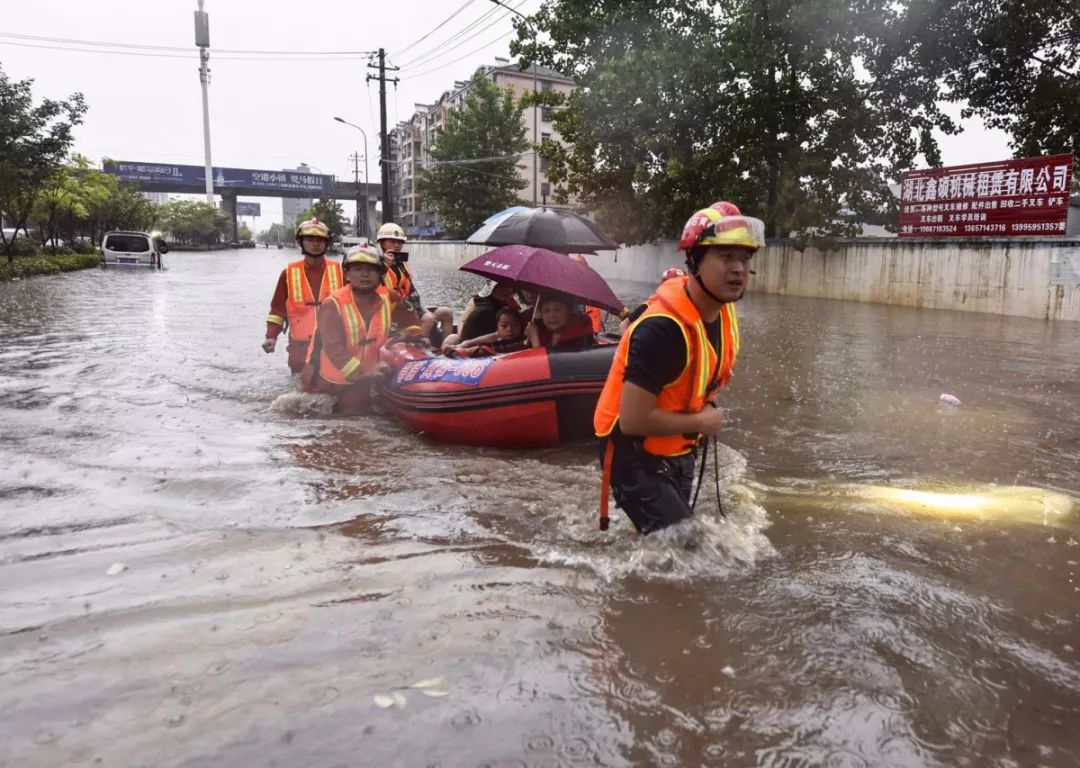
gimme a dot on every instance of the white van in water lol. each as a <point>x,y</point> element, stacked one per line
<point>132,249</point>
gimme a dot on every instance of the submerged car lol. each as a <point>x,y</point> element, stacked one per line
<point>132,249</point>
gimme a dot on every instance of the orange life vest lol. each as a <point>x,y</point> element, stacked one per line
<point>595,314</point>
<point>301,304</point>
<point>705,370</point>
<point>363,339</point>
<point>578,327</point>
<point>401,285</point>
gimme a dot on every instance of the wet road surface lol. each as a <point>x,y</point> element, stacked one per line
<point>194,571</point>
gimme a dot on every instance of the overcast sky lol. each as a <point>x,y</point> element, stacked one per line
<point>267,112</point>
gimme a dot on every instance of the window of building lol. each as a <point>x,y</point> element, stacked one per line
<point>544,162</point>
<point>546,112</point>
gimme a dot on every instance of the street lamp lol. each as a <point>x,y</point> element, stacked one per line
<point>536,108</point>
<point>364,134</point>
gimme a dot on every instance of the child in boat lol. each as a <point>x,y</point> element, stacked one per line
<point>508,337</point>
<point>560,328</point>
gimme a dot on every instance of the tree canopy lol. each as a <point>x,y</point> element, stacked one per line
<point>330,213</point>
<point>34,144</point>
<point>476,156</point>
<point>77,201</point>
<point>194,222</point>
<point>1015,64</point>
<point>800,111</point>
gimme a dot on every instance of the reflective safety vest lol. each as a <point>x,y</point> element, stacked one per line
<point>363,339</point>
<point>706,368</point>
<point>401,285</point>
<point>301,304</point>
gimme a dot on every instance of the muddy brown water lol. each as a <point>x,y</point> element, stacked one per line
<point>897,581</point>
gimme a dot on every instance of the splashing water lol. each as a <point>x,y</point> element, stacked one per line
<point>303,404</point>
<point>708,545</point>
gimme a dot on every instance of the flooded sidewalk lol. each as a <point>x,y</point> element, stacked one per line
<point>195,572</point>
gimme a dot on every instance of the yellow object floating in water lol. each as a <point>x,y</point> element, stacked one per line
<point>1015,503</point>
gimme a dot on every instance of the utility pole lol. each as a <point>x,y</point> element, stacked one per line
<point>355,157</point>
<point>202,40</point>
<point>384,151</point>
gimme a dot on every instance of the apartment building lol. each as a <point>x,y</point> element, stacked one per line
<point>410,139</point>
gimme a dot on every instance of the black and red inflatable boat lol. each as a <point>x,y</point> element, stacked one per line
<point>520,399</point>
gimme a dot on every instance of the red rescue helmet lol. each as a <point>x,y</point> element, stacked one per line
<point>722,223</point>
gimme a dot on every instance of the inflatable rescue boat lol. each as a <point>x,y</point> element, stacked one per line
<point>529,398</point>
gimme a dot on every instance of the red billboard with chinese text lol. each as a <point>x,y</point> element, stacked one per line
<point>1027,197</point>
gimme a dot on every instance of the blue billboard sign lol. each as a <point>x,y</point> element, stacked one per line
<point>149,174</point>
<point>248,209</point>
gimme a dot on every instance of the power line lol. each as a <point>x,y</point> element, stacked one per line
<point>467,160</point>
<point>476,170</point>
<point>455,61</point>
<point>42,39</point>
<point>92,50</point>
<point>186,57</point>
<point>486,173</point>
<point>439,48</point>
<point>440,25</point>
<point>136,46</point>
<point>437,53</point>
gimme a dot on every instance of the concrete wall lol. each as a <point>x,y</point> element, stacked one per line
<point>1004,277</point>
<point>1000,276</point>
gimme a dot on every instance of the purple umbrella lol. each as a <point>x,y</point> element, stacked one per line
<point>544,270</point>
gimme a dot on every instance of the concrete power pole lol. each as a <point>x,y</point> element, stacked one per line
<point>202,40</point>
<point>355,157</point>
<point>384,152</point>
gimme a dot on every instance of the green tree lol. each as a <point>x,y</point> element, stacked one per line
<point>1015,64</point>
<point>762,102</point>
<point>330,213</point>
<point>243,231</point>
<point>59,207</point>
<point>465,185</point>
<point>112,205</point>
<point>194,223</point>
<point>34,141</point>
<point>79,200</point>
<point>278,233</point>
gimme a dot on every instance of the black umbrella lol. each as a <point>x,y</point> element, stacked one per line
<point>551,228</point>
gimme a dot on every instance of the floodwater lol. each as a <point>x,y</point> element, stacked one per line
<point>196,572</point>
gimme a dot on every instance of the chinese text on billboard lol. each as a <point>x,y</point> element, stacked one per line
<point>1012,197</point>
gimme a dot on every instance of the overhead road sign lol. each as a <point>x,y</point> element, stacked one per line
<point>176,178</point>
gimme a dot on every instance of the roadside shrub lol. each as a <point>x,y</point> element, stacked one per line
<point>27,266</point>
<point>24,247</point>
<point>82,247</point>
<point>58,250</point>
<point>75,261</point>
<point>30,265</point>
